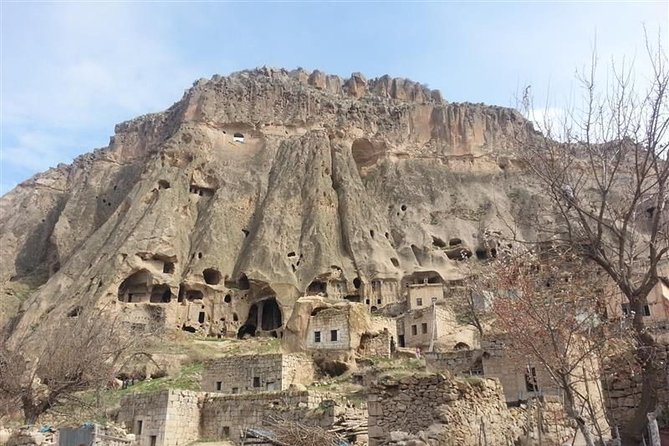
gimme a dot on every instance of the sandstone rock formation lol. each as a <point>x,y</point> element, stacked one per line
<point>260,187</point>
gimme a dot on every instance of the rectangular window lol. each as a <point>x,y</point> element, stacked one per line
<point>256,381</point>
<point>317,336</point>
<point>626,309</point>
<point>226,431</point>
<point>423,327</point>
<point>646,310</point>
<point>334,335</point>
<point>138,429</point>
<point>419,302</point>
<point>235,390</point>
<point>219,385</point>
<point>531,379</point>
<point>414,330</point>
<point>152,440</point>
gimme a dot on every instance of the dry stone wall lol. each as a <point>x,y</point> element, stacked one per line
<point>226,417</point>
<point>622,388</point>
<point>455,412</point>
<point>167,418</point>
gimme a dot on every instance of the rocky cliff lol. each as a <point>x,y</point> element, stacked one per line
<point>266,183</point>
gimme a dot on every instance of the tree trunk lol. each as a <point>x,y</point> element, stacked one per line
<point>645,355</point>
<point>570,407</point>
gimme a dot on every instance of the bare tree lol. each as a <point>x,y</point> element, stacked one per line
<point>549,310</point>
<point>82,353</point>
<point>603,165</point>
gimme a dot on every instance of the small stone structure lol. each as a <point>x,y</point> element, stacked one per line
<point>225,417</point>
<point>167,418</point>
<point>454,411</point>
<point>380,344</point>
<point>178,417</point>
<point>257,373</point>
<point>421,295</point>
<point>415,329</point>
<point>458,362</point>
<point>329,329</point>
<point>519,381</point>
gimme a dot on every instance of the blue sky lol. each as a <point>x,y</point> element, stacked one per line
<point>71,71</point>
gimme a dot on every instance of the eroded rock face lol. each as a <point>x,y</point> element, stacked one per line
<point>270,179</point>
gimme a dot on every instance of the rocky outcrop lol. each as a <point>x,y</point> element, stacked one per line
<point>272,179</point>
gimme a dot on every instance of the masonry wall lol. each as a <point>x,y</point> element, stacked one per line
<point>420,295</point>
<point>374,345</point>
<point>324,322</point>
<point>171,416</point>
<point>225,417</point>
<point>238,374</point>
<point>381,292</point>
<point>511,374</point>
<point>423,321</point>
<point>459,362</point>
<point>622,387</point>
<point>414,403</point>
<point>297,369</point>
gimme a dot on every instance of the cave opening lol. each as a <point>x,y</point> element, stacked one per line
<point>271,315</point>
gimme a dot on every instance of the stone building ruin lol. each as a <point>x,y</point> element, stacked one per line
<point>257,373</point>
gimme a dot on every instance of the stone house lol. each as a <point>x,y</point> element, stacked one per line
<point>656,311</point>
<point>520,382</point>
<point>381,292</point>
<point>422,295</point>
<point>167,418</point>
<point>329,329</point>
<point>180,417</point>
<point>415,329</point>
<point>257,373</point>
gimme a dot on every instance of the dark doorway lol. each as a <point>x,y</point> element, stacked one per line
<point>271,315</point>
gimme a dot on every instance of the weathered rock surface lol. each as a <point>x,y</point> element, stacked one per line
<point>272,176</point>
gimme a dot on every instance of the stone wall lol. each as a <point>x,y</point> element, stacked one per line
<point>376,345</point>
<point>257,373</point>
<point>420,295</point>
<point>457,362</point>
<point>322,326</point>
<point>497,363</point>
<point>622,389</point>
<point>456,412</point>
<point>225,417</point>
<point>167,418</point>
<point>415,327</point>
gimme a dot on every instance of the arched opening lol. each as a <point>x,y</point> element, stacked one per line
<point>243,282</point>
<point>317,286</point>
<point>201,317</point>
<point>437,242</point>
<point>395,262</point>
<point>246,330</point>
<point>168,267</point>
<point>238,137</point>
<point>271,315</point>
<point>161,294</point>
<point>227,299</point>
<point>454,242</point>
<point>461,346</point>
<point>135,288</point>
<point>163,184</point>
<point>356,283</point>
<point>211,276</point>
